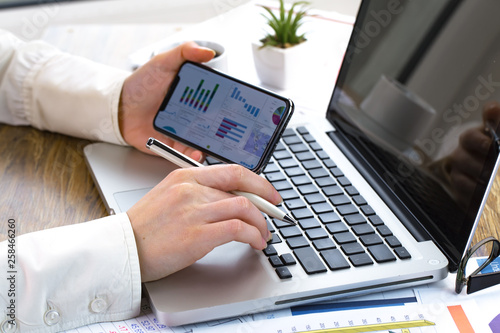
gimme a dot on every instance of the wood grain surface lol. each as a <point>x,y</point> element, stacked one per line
<point>44,183</point>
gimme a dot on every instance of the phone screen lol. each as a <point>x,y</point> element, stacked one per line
<point>222,116</point>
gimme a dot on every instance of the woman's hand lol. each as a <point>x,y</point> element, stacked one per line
<point>144,90</point>
<point>191,212</point>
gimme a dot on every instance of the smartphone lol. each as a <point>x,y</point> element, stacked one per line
<point>226,118</point>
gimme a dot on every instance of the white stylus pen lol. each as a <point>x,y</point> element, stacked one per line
<point>183,161</point>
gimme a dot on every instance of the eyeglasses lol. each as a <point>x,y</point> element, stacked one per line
<point>476,281</point>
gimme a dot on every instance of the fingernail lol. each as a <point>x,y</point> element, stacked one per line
<point>264,244</point>
<point>207,48</point>
<point>269,236</point>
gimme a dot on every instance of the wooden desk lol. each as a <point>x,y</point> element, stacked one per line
<point>45,183</point>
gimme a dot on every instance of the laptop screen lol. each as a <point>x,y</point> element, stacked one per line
<point>416,105</point>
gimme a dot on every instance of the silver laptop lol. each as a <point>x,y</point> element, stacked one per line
<point>387,189</point>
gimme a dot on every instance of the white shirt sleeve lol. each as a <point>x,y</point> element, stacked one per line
<point>85,273</point>
<point>51,90</point>
<point>70,276</point>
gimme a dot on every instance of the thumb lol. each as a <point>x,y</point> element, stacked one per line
<point>186,51</point>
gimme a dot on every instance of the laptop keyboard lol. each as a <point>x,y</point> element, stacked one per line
<point>337,228</point>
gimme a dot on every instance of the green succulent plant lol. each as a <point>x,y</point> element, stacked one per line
<point>285,25</point>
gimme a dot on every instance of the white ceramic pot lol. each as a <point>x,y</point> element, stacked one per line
<point>278,67</point>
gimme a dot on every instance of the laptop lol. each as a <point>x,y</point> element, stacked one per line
<point>388,189</point>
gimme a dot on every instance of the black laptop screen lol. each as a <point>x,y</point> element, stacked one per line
<point>418,102</point>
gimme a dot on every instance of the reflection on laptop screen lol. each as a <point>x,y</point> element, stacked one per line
<point>417,102</point>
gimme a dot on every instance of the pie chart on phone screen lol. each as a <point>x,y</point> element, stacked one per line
<point>278,114</point>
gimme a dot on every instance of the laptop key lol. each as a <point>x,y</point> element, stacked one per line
<point>270,250</point>
<point>289,194</point>
<point>281,155</point>
<point>276,239</point>
<point>359,200</point>
<point>309,223</point>
<point>279,146</point>
<point>354,219</point>
<point>375,220</point>
<point>292,139</point>
<point>294,171</point>
<point>290,231</point>
<point>314,198</point>
<point>271,167</point>
<point>325,181</point>
<point>275,261</point>
<point>332,190</point>
<point>316,233</point>
<point>320,208</point>
<point>336,171</point>
<point>371,239</point>
<point>308,138</point>
<point>384,231</point>
<point>280,224</point>
<point>283,273</point>
<point>282,185</point>
<point>275,176</point>
<point>323,244</point>
<point>304,156</point>
<point>329,218</point>
<point>302,130</point>
<point>308,189</point>
<point>287,163</point>
<point>318,173</point>
<point>343,237</point>
<point>300,180</point>
<point>295,204</point>
<point>336,227</point>
<point>347,209</point>
<point>352,248</point>
<point>309,260</point>
<point>287,259</point>
<point>315,146</point>
<point>338,200</point>
<point>298,148</point>
<point>303,213</point>
<point>334,259</point>
<point>367,210</point>
<point>402,253</point>
<point>312,164</point>
<point>381,253</point>
<point>323,155</point>
<point>362,229</point>
<point>297,242</point>
<point>361,259</point>
<point>351,190</point>
<point>344,181</point>
<point>393,241</point>
<point>288,131</point>
<point>329,163</point>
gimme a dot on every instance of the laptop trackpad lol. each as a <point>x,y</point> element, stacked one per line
<point>127,199</point>
<point>230,273</point>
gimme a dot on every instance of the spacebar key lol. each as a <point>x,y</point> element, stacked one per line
<point>309,260</point>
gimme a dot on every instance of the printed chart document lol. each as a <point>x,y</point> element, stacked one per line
<point>413,318</point>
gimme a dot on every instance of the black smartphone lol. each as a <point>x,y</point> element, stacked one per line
<point>226,118</point>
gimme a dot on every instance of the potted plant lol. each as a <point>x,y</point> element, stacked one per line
<point>278,55</point>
